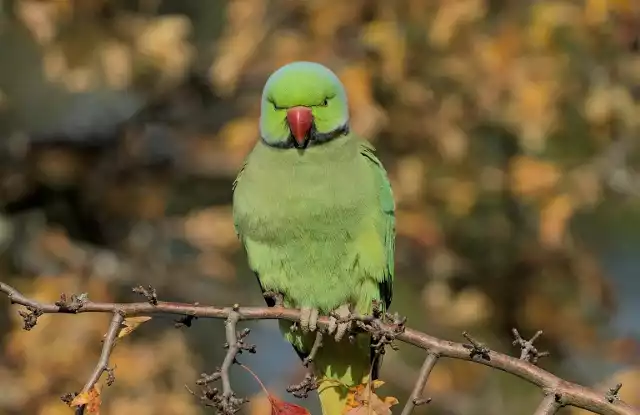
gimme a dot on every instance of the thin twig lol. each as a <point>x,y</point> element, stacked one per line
<point>528,351</point>
<point>149,293</point>
<point>233,348</point>
<point>308,384</point>
<point>416,396</point>
<point>612,394</point>
<point>572,394</point>
<point>226,403</point>
<point>310,381</point>
<point>549,405</point>
<point>317,344</point>
<point>103,363</point>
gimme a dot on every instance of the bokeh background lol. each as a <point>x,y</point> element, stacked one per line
<point>509,130</point>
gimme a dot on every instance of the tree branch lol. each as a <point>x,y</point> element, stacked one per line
<point>228,402</point>
<point>415,398</point>
<point>568,393</point>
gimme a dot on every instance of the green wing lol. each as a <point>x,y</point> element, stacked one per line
<point>388,222</point>
<point>270,301</point>
<point>388,232</point>
<point>233,190</point>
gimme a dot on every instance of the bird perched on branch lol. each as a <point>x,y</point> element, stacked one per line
<point>314,210</point>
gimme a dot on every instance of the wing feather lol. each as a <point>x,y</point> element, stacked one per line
<point>388,230</point>
<point>270,301</point>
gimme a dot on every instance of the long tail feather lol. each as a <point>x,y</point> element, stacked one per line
<point>341,366</point>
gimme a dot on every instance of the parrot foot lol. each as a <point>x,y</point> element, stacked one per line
<point>308,319</point>
<point>340,328</point>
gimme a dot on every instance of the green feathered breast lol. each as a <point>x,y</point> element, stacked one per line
<point>318,227</point>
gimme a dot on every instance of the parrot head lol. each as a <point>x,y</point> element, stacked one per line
<point>303,104</point>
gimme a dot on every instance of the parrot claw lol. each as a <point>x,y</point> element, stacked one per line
<point>340,329</point>
<point>308,319</point>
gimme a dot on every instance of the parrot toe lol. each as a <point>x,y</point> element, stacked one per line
<point>342,328</point>
<point>308,319</point>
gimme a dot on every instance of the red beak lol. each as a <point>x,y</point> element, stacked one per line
<point>300,120</point>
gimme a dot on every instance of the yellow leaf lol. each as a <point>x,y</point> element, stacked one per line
<point>245,28</point>
<point>163,43</point>
<point>238,137</point>
<point>419,226</point>
<point>326,19</point>
<point>117,62</point>
<point>532,177</point>
<point>410,180</point>
<point>210,229</point>
<point>623,7</point>
<point>130,324</point>
<point>366,116</point>
<point>451,16</point>
<point>362,400</point>
<point>461,197</point>
<point>41,18</point>
<point>91,399</point>
<point>596,11</point>
<point>554,219</point>
<point>546,16</point>
<point>498,53</point>
<point>357,80</point>
<point>386,37</point>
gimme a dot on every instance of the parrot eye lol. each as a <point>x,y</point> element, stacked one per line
<point>325,102</point>
<point>275,106</point>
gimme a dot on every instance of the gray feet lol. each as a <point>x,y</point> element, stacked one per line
<point>309,320</point>
<point>340,329</point>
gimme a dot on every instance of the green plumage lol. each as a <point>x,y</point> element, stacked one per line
<point>317,223</point>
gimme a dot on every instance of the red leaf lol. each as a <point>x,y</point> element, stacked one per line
<point>279,407</point>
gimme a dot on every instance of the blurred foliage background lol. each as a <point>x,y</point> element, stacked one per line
<point>509,130</point>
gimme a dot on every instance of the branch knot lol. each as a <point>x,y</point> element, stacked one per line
<point>30,317</point>
<point>476,348</point>
<point>383,327</point>
<point>528,352</point>
<point>149,293</point>
<point>72,305</point>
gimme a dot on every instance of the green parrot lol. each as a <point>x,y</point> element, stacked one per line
<point>314,209</point>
